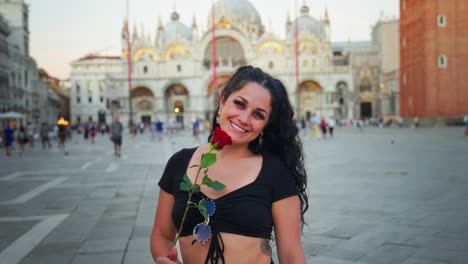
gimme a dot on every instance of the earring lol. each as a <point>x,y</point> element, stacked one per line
<point>218,116</point>
<point>260,139</point>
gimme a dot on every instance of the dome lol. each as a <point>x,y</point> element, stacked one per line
<point>306,23</point>
<point>236,11</point>
<point>176,28</point>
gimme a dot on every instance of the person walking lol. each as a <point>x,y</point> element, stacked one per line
<point>22,139</point>
<point>323,127</point>
<point>160,129</point>
<point>31,132</point>
<point>8,134</point>
<point>331,126</point>
<point>153,131</point>
<point>265,182</point>
<point>62,136</point>
<point>465,120</point>
<point>314,127</point>
<point>116,130</point>
<point>45,135</point>
<point>304,127</point>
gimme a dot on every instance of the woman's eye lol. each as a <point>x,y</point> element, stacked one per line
<point>239,103</point>
<point>259,116</point>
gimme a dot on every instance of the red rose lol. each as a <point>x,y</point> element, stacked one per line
<point>220,137</point>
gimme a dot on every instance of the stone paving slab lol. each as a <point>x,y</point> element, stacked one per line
<point>376,196</point>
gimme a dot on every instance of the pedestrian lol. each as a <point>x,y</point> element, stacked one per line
<point>92,131</point>
<point>45,135</point>
<point>314,127</point>
<point>116,130</point>
<point>331,126</point>
<point>323,127</point>
<point>465,120</point>
<point>8,134</point>
<point>160,129</point>
<point>153,131</point>
<point>62,136</point>
<point>196,130</point>
<point>142,127</point>
<point>31,133</point>
<point>304,127</point>
<point>416,122</point>
<point>265,179</point>
<point>22,139</point>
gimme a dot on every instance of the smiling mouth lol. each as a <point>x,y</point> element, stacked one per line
<point>238,128</point>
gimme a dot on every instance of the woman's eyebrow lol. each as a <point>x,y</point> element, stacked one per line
<point>258,108</point>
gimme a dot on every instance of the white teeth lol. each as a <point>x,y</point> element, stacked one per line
<point>238,128</point>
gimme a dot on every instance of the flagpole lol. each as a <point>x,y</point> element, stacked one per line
<point>213,44</point>
<point>296,53</point>
<point>129,66</point>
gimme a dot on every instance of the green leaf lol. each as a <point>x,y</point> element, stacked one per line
<point>187,179</point>
<point>196,188</point>
<point>208,159</point>
<point>186,185</point>
<point>207,180</point>
<point>216,185</point>
<point>202,208</point>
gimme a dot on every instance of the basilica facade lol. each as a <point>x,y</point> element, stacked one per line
<point>172,74</point>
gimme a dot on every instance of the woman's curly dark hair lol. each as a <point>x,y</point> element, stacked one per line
<point>280,135</point>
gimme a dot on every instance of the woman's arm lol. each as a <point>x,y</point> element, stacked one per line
<point>287,223</point>
<point>164,231</point>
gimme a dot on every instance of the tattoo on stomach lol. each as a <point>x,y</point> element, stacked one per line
<point>265,246</point>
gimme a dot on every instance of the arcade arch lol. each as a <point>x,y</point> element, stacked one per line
<point>143,104</point>
<point>176,99</point>
<point>310,95</point>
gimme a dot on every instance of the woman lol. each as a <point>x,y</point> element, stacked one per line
<point>22,139</point>
<point>264,175</point>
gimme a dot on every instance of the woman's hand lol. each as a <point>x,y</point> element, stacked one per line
<point>170,259</point>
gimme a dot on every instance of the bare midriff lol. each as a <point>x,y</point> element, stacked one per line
<point>237,249</point>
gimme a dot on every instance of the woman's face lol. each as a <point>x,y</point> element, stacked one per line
<point>245,113</point>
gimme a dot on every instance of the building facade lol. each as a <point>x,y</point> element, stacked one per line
<point>172,75</point>
<point>21,88</point>
<point>434,58</point>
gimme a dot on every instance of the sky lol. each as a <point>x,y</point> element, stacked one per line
<point>62,31</point>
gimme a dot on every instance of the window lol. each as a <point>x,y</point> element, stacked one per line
<point>90,99</point>
<point>441,20</point>
<point>145,69</point>
<point>270,65</point>
<point>179,68</point>
<point>78,100</point>
<point>442,61</point>
<point>403,42</point>
<point>77,85</point>
<point>102,87</point>
<point>90,87</point>
<point>101,99</point>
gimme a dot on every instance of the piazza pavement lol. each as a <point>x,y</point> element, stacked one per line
<point>377,196</point>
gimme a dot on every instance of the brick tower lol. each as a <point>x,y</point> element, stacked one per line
<point>433,58</point>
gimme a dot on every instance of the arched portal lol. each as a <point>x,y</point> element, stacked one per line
<point>229,53</point>
<point>310,98</point>
<point>341,98</point>
<point>143,104</point>
<point>176,98</point>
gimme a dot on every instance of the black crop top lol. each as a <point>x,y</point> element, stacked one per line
<point>245,211</point>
